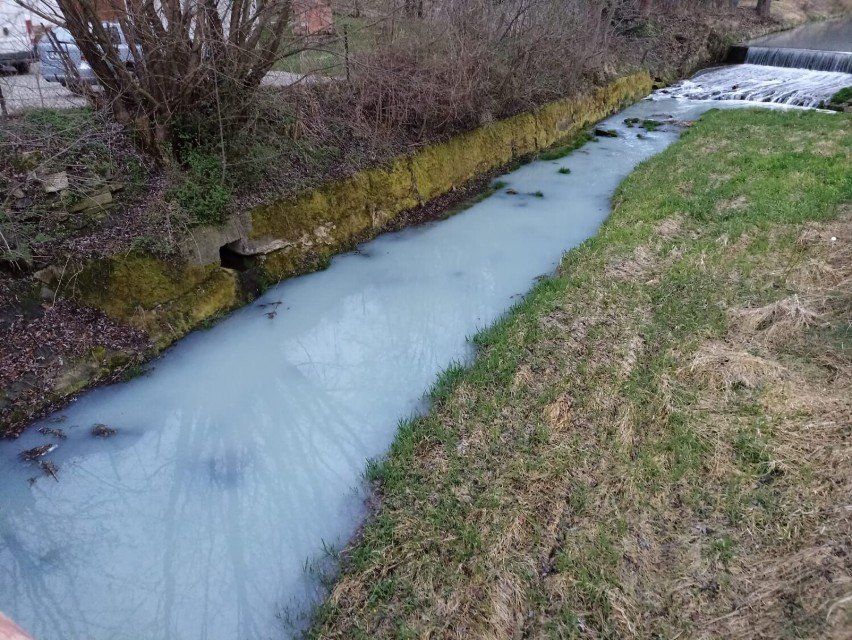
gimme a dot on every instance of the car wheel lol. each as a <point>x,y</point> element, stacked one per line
<point>22,68</point>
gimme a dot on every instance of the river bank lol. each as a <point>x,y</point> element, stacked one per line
<point>650,443</point>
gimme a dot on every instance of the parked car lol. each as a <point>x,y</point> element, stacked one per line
<point>16,46</point>
<point>52,62</point>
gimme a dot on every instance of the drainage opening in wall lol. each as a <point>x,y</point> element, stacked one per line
<point>250,277</point>
<point>231,259</point>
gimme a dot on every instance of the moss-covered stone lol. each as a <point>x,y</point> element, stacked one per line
<point>203,302</point>
<point>439,168</point>
<point>163,299</point>
<point>367,199</point>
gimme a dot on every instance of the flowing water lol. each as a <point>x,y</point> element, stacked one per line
<point>238,458</point>
<point>755,83</point>
<point>801,59</point>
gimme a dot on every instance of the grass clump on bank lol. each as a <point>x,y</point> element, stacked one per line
<point>654,443</point>
<point>844,95</point>
<point>560,152</point>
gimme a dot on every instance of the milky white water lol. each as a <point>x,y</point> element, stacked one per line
<point>239,456</point>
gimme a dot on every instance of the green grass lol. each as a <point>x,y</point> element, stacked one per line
<point>564,171</point>
<point>327,57</point>
<point>628,456</point>
<point>560,152</point>
<point>66,123</point>
<point>132,372</point>
<point>203,190</point>
<point>844,95</point>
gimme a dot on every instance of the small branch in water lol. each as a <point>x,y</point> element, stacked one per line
<point>56,433</point>
<point>102,431</point>
<point>49,468</point>
<point>274,309</point>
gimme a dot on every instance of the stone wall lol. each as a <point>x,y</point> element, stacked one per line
<point>293,236</point>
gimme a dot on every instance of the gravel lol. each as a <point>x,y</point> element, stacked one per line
<point>31,90</point>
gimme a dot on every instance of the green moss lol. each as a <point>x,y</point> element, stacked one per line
<point>290,262</point>
<point>842,96</point>
<point>123,284</point>
<point>163,299</point>
<point>207,300</point>
<point>522,130</point>
<point>560,152</point>
<point>367,199</point>
<point>439,168</point>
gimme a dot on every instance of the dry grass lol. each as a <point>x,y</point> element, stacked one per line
<point>725,367</point>
<point>639,265</point>
<point>798,11</point>
<point>740,202</point>
<point>669,228</point>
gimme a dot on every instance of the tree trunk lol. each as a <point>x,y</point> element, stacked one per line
<point>763,8</point>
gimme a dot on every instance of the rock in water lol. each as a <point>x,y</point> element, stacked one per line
<point>102,431</point>
<point>606,133</point>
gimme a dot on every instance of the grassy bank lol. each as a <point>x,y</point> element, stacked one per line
<point>656,442</point>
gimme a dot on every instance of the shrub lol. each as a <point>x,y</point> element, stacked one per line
<point>203,191</point>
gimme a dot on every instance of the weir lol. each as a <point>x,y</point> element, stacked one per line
<point>811,59</point>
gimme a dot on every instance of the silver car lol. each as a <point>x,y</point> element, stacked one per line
<point>53,64</point>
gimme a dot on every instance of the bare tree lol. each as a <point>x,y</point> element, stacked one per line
<point>188,58</point>
<point>763,7</point>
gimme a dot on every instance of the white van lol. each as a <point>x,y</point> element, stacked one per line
<point>16,43</point>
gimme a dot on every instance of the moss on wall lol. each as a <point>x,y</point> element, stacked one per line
<point>323,222</point>
<point>164,300</point>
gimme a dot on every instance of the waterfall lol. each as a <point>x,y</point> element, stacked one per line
<point>837,61</point>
